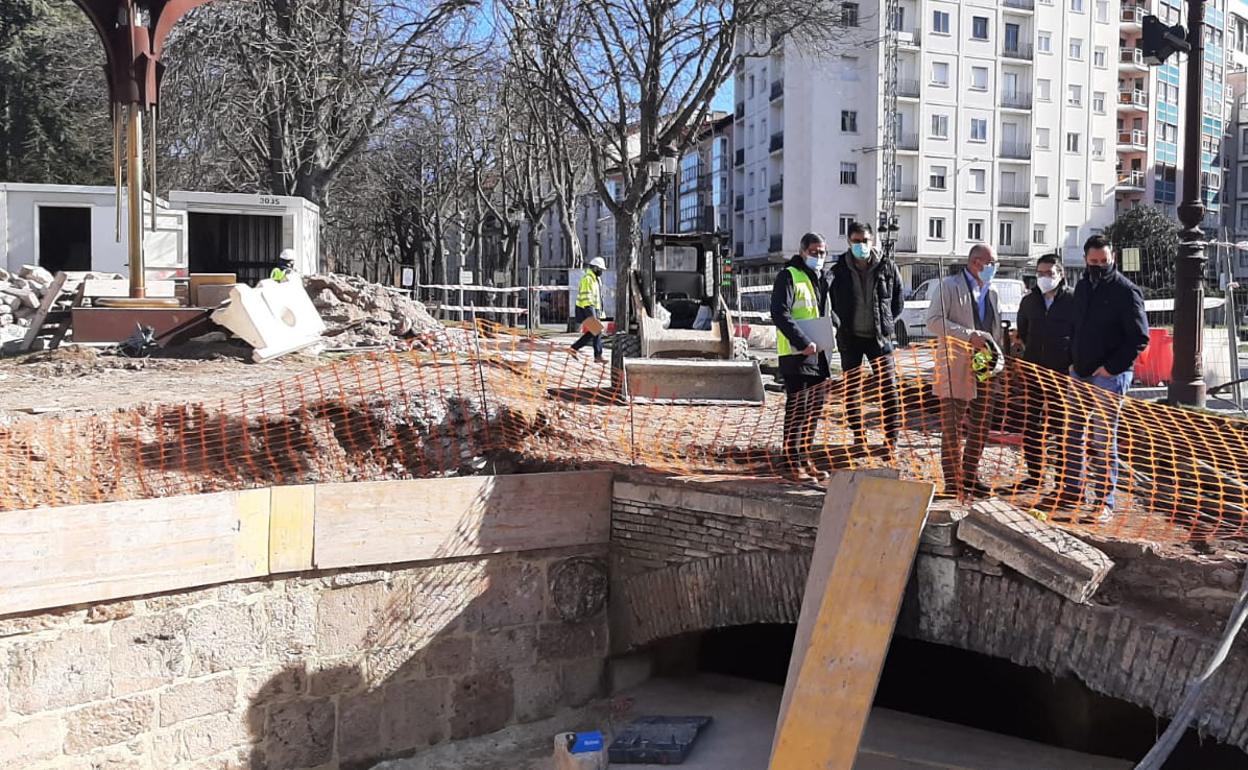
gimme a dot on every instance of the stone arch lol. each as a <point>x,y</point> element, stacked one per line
<point>717,592</point>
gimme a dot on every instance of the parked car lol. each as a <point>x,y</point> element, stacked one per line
<point>913,322</point>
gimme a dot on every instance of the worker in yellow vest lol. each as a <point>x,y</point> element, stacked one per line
<point>801,293</point>
<point>589,305</point>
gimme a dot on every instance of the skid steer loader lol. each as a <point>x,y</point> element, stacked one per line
<point>683,274</point>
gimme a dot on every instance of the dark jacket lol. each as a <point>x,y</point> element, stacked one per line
<point>888,303</point>
<point>1046,332</point>
<point>1111,329</point>
<point>782,317</point>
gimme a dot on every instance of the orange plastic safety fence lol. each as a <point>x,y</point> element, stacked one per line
<point>1036,437</point>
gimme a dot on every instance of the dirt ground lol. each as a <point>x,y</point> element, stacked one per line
<point>81,379</point>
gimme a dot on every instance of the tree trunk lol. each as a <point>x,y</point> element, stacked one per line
<point>534,299</point>
<point>627,242</point>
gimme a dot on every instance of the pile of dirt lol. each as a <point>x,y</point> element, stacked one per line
<point>360,313</point>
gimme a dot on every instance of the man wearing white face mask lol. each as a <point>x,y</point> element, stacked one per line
<point>801,294</point>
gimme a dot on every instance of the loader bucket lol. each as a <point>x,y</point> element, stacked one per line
<point>659,380</point>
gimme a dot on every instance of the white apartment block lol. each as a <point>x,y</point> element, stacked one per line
<point>1005,131</point>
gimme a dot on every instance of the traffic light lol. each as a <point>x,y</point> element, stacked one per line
<point>1160,41</point>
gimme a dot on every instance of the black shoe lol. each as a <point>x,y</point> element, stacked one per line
<point>1031,482</point>
<point>978,490</point>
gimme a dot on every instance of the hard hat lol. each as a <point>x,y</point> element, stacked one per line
<point>599,263</point>
<point>287,257</point>
<point>988,363</point>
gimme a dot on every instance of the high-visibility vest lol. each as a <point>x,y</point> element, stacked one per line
<point>805,307</point>
<point>277,274</point>
<point>589,295</point>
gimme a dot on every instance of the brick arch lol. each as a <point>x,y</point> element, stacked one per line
<point>718,592</point>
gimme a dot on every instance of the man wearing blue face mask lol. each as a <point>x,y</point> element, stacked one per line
<point>866,294</point>
<point>800,294</point>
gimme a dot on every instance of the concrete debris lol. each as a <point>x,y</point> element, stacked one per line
<point>360,313</point>
<point>20,297</point>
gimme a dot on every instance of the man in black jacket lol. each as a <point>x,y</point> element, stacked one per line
<point>866,295</point>
<point>801,293</point>
<point>1110,332</point>
<point>1045,324</point>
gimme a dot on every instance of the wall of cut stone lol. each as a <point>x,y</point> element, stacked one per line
<point>321,671</point>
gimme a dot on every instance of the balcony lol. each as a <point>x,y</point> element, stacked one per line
<point>739,203</point>
<point>1016,248</point>
<point>1133,141</point>
<point>775,243</point>
<point>1013,199</point>
<point>1015,150</point>
<point>1022,51</point>
<point>1020,5</point>
<point>909,89</point>
<point>906,193</point>
<point>739,156</point>
<point>908,245</point>
<point>777,142</point>
<point>1133,99</point>
<point>739,250</point>
<point>908,142</point>
<point>739,113</point>
<point>908,38</point>
<point>776,193</point>
<point>1131,59</point>
<point>1131,17</point>
<point>1018,100</point>
<point>1132,181</point>
<point>777,90</point>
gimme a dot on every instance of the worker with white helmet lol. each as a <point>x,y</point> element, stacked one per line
<point>589,306</point>
<point>285,266</point>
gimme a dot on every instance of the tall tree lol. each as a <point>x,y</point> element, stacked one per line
<point>1156,238</point>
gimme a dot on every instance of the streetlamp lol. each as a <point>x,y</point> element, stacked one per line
<point>661,167</point>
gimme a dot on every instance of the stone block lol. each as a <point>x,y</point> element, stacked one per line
<point>346,616</point>
<point>390,664</point>
<point>271,684</point>
<point>567,641</point>
<point>582,681</point>
<point>482,703</point>
<point>64,671</point>
<point>1047,554</point>
<point>108,723</point>
<point>537,691</point>
<point>24,743</point>
<point>515,595</point>
<point>506,648</point>
<point>105,613</point>
<point>291,627</point>
<point>225,636</point>
<point>147,652</point>
<point>197,698</point>
<point>195,740</point>
<point>359,726</point>
<point>299,734</point>
<point>414,714</point>
<point>341,676</point>
<point>448,656</point>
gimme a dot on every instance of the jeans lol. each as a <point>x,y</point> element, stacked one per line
<point>853,353</point>
<point>581,314</point>
<point>1101,469</point>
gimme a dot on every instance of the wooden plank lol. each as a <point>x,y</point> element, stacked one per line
<point>396,521</point>
<point>52,557</point>
<point>290,528</point>
<point>868,534</point>
<point>41,313</point>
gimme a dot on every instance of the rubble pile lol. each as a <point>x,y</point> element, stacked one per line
<point>20,296</point>
<point>360,313</point>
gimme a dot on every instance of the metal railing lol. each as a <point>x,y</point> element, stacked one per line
<point>1016,150</point>
<point>1026,5</point>
<point>1133,138</point>
<point>1135,97</point>
<point>907,141</point>
<point>1131,14</point>
<point>739,249</point>
<point>908,244</point>
<point>909,88</point>
<point>739,112</point>
<point>1131,179</point>
<point>1022,51</point>
<point>1015,248</point>
<point>739,203</point>
<point>777,89</point>
<point>777,142</point>
<point>739,156</point>
<point>1014,199</point>
<point>1017,100</point>
<point>907,192</point>
<point>776,192</point>
<point>1131,56</point>
<point>775,242</point>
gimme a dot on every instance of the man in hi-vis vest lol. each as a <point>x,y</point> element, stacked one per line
<point>800,294</point>
<point>589,305</point>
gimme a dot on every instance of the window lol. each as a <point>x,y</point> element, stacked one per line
<point>849,68</point>
<point>1098,102</point>
<point>1072,141</point>
<point>1102,11</point>
<point>751,93</point>
<point>1098,194</point>
<point>1098,147</point>
<point>1072,189</point>
<point>1243,141</point>
<point>1042,138</point>
<point>979,78</point>
<point>1243,217</point>
<point>940,22</point>
<point>1042,187</point>
<point>849,173</point>
<point>1072,236</point>
<point>1006,230</point>
<point>1076,6</point>
<point>979,27</point>
<point>1100,57</point>
<point>975,230</point>
<point>940,126</point>
<point>1044,42</point>
<point>1037,234</point>
<point>936,180</point>
<point>1076,48</point>
<point>750,231</point>
<point>940,73</point>
<point>849,14</point>
<point>1043,87</point>
<point>978,180</point>
<point>843,222</point>
<point>979,129</point>
<point>1074,95</point>
<point>936,228</point>
<point>849,121</point>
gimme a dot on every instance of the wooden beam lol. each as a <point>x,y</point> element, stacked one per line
<point>868,534</point>
<point>290,528</point>
<point>396,521</point>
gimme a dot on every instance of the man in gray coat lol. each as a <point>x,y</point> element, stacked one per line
<point>965,315</point>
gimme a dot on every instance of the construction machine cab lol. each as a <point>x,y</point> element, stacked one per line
<point>684,273</point>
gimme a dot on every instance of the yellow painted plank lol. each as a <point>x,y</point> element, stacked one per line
<point>868,534</point>
<point>291,516</point>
